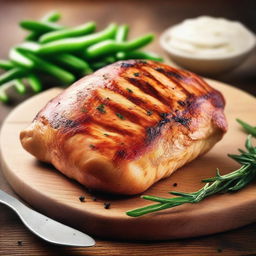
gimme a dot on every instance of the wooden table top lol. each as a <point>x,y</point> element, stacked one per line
<point>143,16</point>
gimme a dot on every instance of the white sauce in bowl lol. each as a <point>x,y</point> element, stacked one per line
<point>208,37</point>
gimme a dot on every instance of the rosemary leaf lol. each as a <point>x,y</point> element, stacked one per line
<point>248,128</point>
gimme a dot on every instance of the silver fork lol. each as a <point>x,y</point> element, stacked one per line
<point>44,227</point>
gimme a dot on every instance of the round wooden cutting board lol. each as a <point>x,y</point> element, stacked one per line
<point>51,193</point>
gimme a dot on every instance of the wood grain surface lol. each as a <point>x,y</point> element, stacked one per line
<point>143,16</point>
<point>52,193</point>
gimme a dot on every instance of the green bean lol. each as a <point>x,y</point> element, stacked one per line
<point>6,64</point>
<point>3,96</point>
<point>111,46</point>
<point>19,86</point>
<point>47,67</point>
<point>77,43</point>
<point>19,58</point>
<point>39,26</point>
<point>138,55</point>
<point>122,33</point>
<point>51,17</point>
<point>32,36</point>
<point>34,83</point>
<point>102,62</point>
<point>28,47</point>
<point>98,64</point>
<point>73,62</point>
<point>109,59</point>
<point>11,74</point>
<point>69,32</point>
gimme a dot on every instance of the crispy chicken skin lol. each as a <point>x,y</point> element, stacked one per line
<point>127,126</point>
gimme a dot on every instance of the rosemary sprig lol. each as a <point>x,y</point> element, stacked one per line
<point>248,128</point>
<point>230,182</point>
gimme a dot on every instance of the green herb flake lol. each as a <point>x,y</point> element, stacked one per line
<point>101,109</point>
<point>129,90</point>
<point>149,112</point>
<point>136,74</point>
<point>120,116</point>
<point>92,146</point>
<point>107,135</point>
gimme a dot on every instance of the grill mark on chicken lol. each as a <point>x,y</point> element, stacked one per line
<point>162,90</point>
<point>139,97</point>
<point>154,131</point>
<point>176,85</point>
<point>128,109</point>
<point>182,120</point>
<point>195,82</point>
<point>158,83</point>
<point>128,114</point>
<point>169,73</point>
<point>147,88</point>
<point>187,82</point>
<point>113,128</point>
<point>60,121</point>
<point>136,103</point>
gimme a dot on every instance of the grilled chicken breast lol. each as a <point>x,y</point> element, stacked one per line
<point>127,126</point>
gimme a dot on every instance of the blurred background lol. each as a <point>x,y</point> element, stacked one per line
<point>142,16</point>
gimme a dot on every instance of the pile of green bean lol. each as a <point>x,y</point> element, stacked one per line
<point>63,54</point>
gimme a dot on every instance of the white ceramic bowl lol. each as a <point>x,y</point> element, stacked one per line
<point>203,65</point>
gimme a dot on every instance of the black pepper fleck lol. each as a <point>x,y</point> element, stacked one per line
<point>20,243</point>
<point>175,184</point>
<point>219,250</point>
<point>181,103</point>
<point>82,198</point>
<point>94,199</point>
<point>107,205</point>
